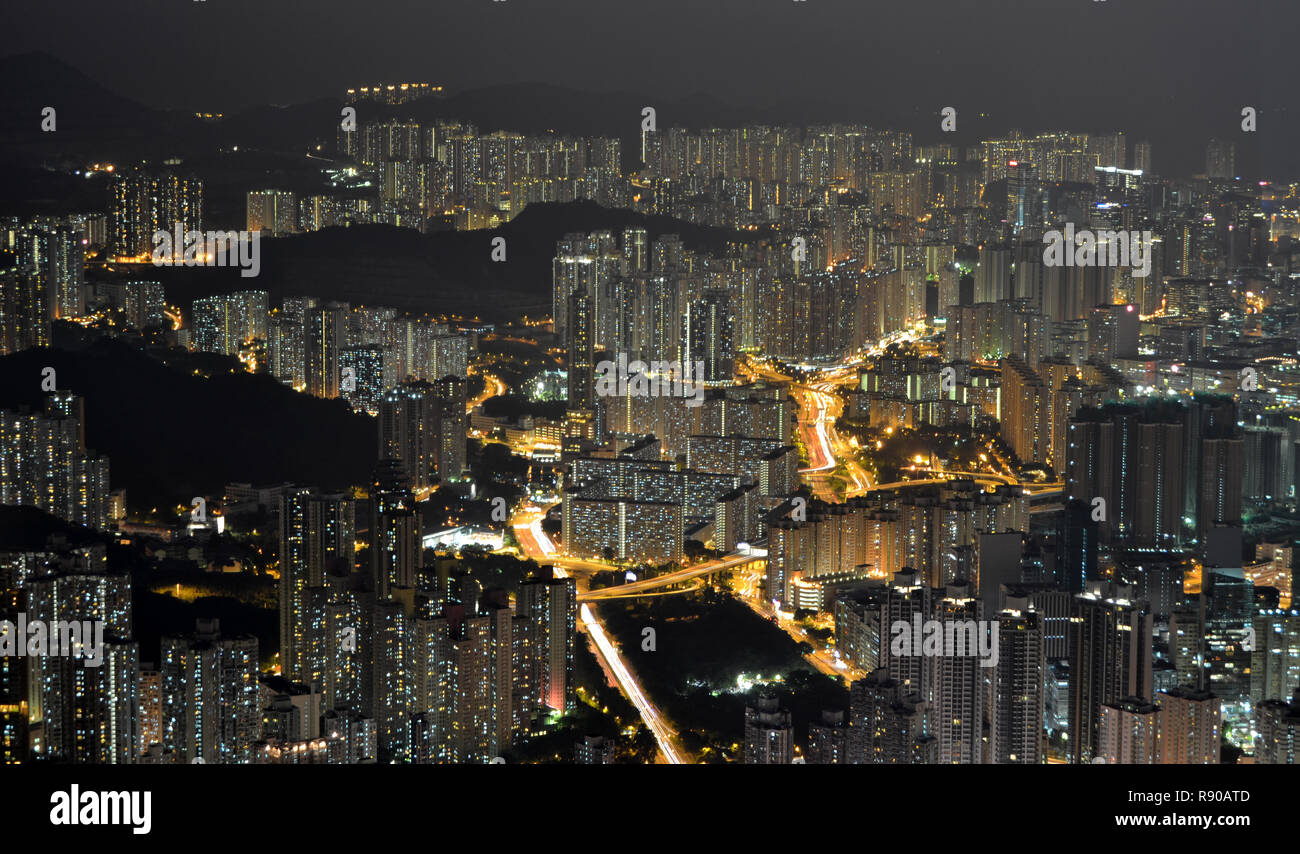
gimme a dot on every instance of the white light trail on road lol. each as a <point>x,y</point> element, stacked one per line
<point>543,542</point>
<point>823,439</point>
<point>658,727</point>
<point>662,732</point>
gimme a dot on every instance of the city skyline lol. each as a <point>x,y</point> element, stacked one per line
<point>987,79</point>
<point>526,383</point>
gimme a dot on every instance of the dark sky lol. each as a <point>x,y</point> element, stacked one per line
<point>191,53</point>
<point>1037,62</point>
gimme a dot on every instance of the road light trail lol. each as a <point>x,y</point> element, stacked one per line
<point>819,410</point>
<point>492,387</point>
<point>823,440</point>
<point>663,733</point>
<point>731,561</point>
<point>665,736</point>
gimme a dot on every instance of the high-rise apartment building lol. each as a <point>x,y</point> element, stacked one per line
<point>144,204</point>
<point>409,431</point>
<point>1131,457</point>
<point>272,211</point>
<point>317,542</point>
<point>453,425</point>
<point>396,544</point>
<point>887,724</point>
<point>25,311</point>
<point>1190,727</point>
<point>209,695</point>
<point>550,607</point>
<point>769,733</point>
<point>1277,724</point>
<point>87,713</point>
<point>225,324</point>
<point>580,346</point>
<point>1128,733</point>
<point>325,335</point>
<point>707,337</point>
<point>44,463</point>
<point>1110,661</point>
<point>1019,683</point>
<point>959,683</point>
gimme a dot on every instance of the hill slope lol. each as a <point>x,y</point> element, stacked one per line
<point>170,434</point>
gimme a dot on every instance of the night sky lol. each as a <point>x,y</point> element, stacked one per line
<point>1139,65</point>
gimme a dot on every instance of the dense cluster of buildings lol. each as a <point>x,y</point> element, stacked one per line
<point>59,706</point>
<point>1091,659</point>
<point>1129,544</point>
<point>330,349</point>
<point>444,174</point>
<point>445,673</point>
<point>1155,392</point>
<point>932,529</point>
<point>44,280</point>
<point>391,658</point>
<point>44,463</point>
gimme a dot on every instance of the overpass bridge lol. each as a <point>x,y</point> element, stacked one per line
<point>646,585</point>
